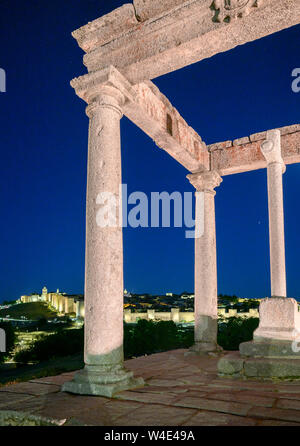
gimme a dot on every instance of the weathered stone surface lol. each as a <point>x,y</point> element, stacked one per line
<point>271,402</point>
<point>206,311</point>
<point>30,405</point>
<point>289,129</point>
<point>271,150</point>
<point>30,388</point>
<point>148,397</point>
<point>214,405</point>
<point>274,413</point>
<point>117,408</point>
<point>246,157</point>
<point>269,368</point>
<point>146,9</point>
<point>288,404</point>
<point>260,367</point>
<point>241,141</point>
<point>108,389</point>
<point>271,349</point>
<point>184,35</point>
<point>106,28</point>
<point>243,397</point>
<point>85,409</point>
<point>258,136</point>
<point>10,398</point>
<point>219,145</point>
<point>208,418</point>
<point>11,418</point>
<point>151,111</point>
<point>277,423</point>
<point>165,382</point>
<point>156,415</point>
<point>278,316</point>
<point>230,364</point>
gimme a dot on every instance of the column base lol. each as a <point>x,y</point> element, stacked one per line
<point>279,320</point>
<point>275,349</point>
<point>102,381</point>
<point>206,332</point>
<point>234,365</point>
<point>269,348</point>
<point>204,348</point>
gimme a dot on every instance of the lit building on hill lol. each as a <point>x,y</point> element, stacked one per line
<point>63,303</point>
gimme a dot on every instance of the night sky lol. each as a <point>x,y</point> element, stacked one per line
<point>44,150</point>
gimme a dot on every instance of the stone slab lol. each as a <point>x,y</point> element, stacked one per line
<point>106,390</point>
<point>275,414</point>
<point>205,418</point>
<point>156,415</point>
<point>148,397</point>
<point>270,349</point>
<point>86,409</point>
<point>7,399</point>
<point>30,388</point>
<point>231,364</point>
<point>277,423</point>
<point>117,408</point>
<point>214,405</point>
<point>243,397</point>
<point>260,367</point>
<point>272,368</point>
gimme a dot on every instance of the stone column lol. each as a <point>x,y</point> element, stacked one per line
<point>206,296</point>
<point>104,373</point>
<point>271,149</point>
<point>278,317</point>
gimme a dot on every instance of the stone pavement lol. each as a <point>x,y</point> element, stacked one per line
<point>179,391</point>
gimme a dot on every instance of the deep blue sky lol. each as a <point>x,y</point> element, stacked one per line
<point>44,150</point>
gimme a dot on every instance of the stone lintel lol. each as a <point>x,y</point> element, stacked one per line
<point>170,39</point>
<point>234,159</point>
<point>151,111</point>
<point>106,28</point>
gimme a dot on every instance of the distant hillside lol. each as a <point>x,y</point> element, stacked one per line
<point>32,311</point>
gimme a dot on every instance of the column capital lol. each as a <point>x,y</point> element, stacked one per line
<point>105,82</point>
<point>205,181</point>
<point>271,148</point>
<point>108,97</point>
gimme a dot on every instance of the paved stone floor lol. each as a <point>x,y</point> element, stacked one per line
<point>179,391</point>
